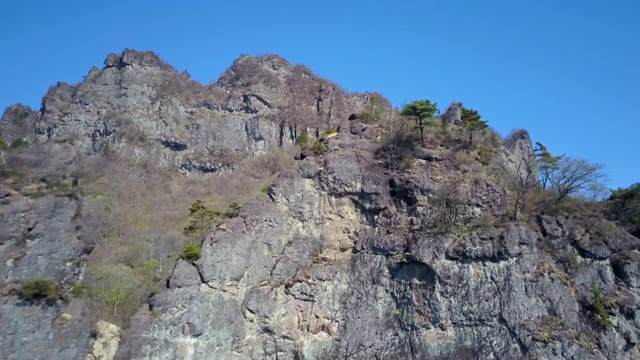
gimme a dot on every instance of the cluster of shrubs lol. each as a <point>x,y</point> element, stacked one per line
<point>317,147</point>
<point>17,143</point>
<point>37,290</point>
<point>191,252</point>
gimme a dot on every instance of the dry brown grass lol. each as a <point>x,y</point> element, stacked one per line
<point>138,219</point>
<point>141,216</point>
<point>185,89</point>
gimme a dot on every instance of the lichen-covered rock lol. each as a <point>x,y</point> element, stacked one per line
<point>184,274</point>
<point>106,342</point>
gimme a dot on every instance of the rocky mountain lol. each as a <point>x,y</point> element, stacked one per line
<point>358,242</point>
<point>256,105</point>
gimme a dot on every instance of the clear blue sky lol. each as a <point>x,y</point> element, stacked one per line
<point>567,71</point>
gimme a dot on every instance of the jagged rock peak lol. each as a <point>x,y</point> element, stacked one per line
<point>249,70</point>
<point>519,152</point>
<point>453,115</point>
<point>519,139</point>
<point>17,121</point>
<point>16,111</point>
<point>135,58</point>
<point>266,60</point>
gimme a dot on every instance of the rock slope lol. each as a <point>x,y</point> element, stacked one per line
<point>42,237</point>
<point>338,262</point>
<point>342,257</point>
<point>144,111</point>
<point>137,101</point>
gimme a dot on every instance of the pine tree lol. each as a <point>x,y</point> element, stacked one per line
<point>421,110</point>
<point>199,219</point>
<point>472,122</point>
<point>547,163</point>
<point>624,206</point>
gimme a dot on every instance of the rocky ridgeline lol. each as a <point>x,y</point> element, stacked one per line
<point>339,259</point>
<point>141,107</point>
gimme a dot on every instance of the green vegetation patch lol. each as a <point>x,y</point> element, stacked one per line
<point>318,147</point>
<point>40,289</point>
<point>602,316</point>
<point>191,252</point>
<point>19,143</point>
<point>201,217</point>
<point>303,140</point>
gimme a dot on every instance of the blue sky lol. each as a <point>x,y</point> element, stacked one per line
<point>567,71</point>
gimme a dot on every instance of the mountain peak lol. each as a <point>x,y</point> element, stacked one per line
<point>246,70</point>
<point>274,60</point>
<point>137,102</point>
<point>135,58</point>
<point>18,121</point>
<point>349,232</point>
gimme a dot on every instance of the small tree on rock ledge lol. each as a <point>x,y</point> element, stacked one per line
<point>200,218</point>
<point>421,110</point>
<point>576,175</point>
<point>472,122</point>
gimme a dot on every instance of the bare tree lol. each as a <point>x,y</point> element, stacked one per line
<point>576,175</point>
<point>448,206</point>
<point>395,139</point>
<point>521,180</point>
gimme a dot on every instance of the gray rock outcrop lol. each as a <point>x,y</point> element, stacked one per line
<point>340,257</point>
<point>42,238</point>
<point>143,108</point>
<point>518,155</point>
<point>43,332</point>
<point>18,122</point>
<point>338,263</point>
<point>452,116</point>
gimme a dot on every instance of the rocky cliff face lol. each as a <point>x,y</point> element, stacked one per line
<point>339,262</point>
<point>139,106</point>
<point>342,257</point>
<point>42,237</point>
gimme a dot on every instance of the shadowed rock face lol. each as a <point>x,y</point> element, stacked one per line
<point>339,259</point>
